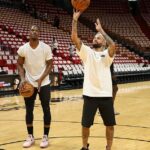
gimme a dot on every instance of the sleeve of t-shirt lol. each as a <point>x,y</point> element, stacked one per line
<point>108,58</point>
<point>83,53</point>
<point>21,51</point>
<point>48,53</point>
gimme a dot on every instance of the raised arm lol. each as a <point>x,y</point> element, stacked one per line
<point>74,34</point>
<point>110,42</point>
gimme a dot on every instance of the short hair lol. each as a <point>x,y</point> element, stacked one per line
<point>36,27</point>
<point>98,33</point>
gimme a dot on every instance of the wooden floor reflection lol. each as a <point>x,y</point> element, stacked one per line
<point>131,133</point>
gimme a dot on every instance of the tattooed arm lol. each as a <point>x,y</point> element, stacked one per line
<point>74,34</point>
<point>110,42</point>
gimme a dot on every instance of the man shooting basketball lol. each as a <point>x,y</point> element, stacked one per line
<point>35,57</point>
<point>97,88</point>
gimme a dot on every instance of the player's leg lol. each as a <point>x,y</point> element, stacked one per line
<point>45,102</point>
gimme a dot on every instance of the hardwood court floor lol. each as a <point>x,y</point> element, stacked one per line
<point>131,133</point>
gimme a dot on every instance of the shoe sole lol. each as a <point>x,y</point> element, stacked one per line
<point>29,146</point>
<point>44,147</point>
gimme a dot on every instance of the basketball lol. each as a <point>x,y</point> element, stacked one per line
<point>27,91</point>
<point>80,4</point>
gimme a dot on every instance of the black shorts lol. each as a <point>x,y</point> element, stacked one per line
<point>106,109</point>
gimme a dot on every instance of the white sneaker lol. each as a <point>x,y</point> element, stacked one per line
<point>29,141</point>
<point>44,142</point>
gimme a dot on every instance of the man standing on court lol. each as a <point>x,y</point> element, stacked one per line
<point>34,65</point>
<point>97,87</point>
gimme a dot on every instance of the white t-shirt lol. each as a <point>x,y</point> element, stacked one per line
<point>97,75</point>
<point>35,62</point>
